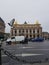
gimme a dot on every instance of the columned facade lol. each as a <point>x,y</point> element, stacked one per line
<point>27,30</point>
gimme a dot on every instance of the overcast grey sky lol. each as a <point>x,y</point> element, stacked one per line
<point>25,10</point>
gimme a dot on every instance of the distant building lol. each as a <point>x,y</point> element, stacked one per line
<point>27,30</point>
<point>45,35</point>
<point>2,28</point>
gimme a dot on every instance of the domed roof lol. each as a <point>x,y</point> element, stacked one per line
<point>36,22</point>
<point>15,23</point>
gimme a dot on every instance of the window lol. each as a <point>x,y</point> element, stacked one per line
<point>33,31</point>
<point>19,31</point>
<point>26,36</point>
<point>38,35</point>
<point>30,35</point>
<point>33,36</point>
<point>30,30</point>
<point>15,31</point>
<point>23,30</point>
<point>27,30</point>
<point>38,31</point>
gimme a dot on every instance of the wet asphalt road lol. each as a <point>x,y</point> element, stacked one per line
<point>31,52</point>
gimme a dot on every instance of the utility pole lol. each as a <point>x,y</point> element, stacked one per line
<point>0,54</point>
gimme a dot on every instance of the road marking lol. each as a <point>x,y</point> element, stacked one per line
<point>23,55</point>
<point>26,54</point>
<point>41,49</point>
<point>26,47</point>
<point>4,55</point>
<point>31,54</point>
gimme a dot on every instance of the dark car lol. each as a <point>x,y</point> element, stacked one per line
<point>37,40</point>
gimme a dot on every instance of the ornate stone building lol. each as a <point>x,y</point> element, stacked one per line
<point>27,30</point>
<point>2,28</point>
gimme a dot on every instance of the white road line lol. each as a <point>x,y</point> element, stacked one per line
<point>31,54</point>
<point>4,55</point>
<point>23,55</point>
<point>33,48</point>
<point>26,47</point>
<point>41,49</point>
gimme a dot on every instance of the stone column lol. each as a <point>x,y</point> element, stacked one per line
<point>17,32</point>
<point>28,33</point>
<point>13,32</point>
<point>40,32</point>
<point>32,31</point>
<point>35,33</point>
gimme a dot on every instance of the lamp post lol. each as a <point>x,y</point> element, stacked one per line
<point>0,52</point>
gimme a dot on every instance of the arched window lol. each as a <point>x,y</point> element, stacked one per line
<point>38,31</point>
<point>33,36</point>
<point>15,32</point>
<point>30,30</point>
<point>33,30</point>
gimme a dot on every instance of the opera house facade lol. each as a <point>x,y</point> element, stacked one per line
<point>27,30</point>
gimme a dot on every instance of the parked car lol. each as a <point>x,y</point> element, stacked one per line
<point>37,39</point>
<point>30,39</point>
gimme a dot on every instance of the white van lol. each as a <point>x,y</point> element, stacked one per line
<point>16,39</point>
